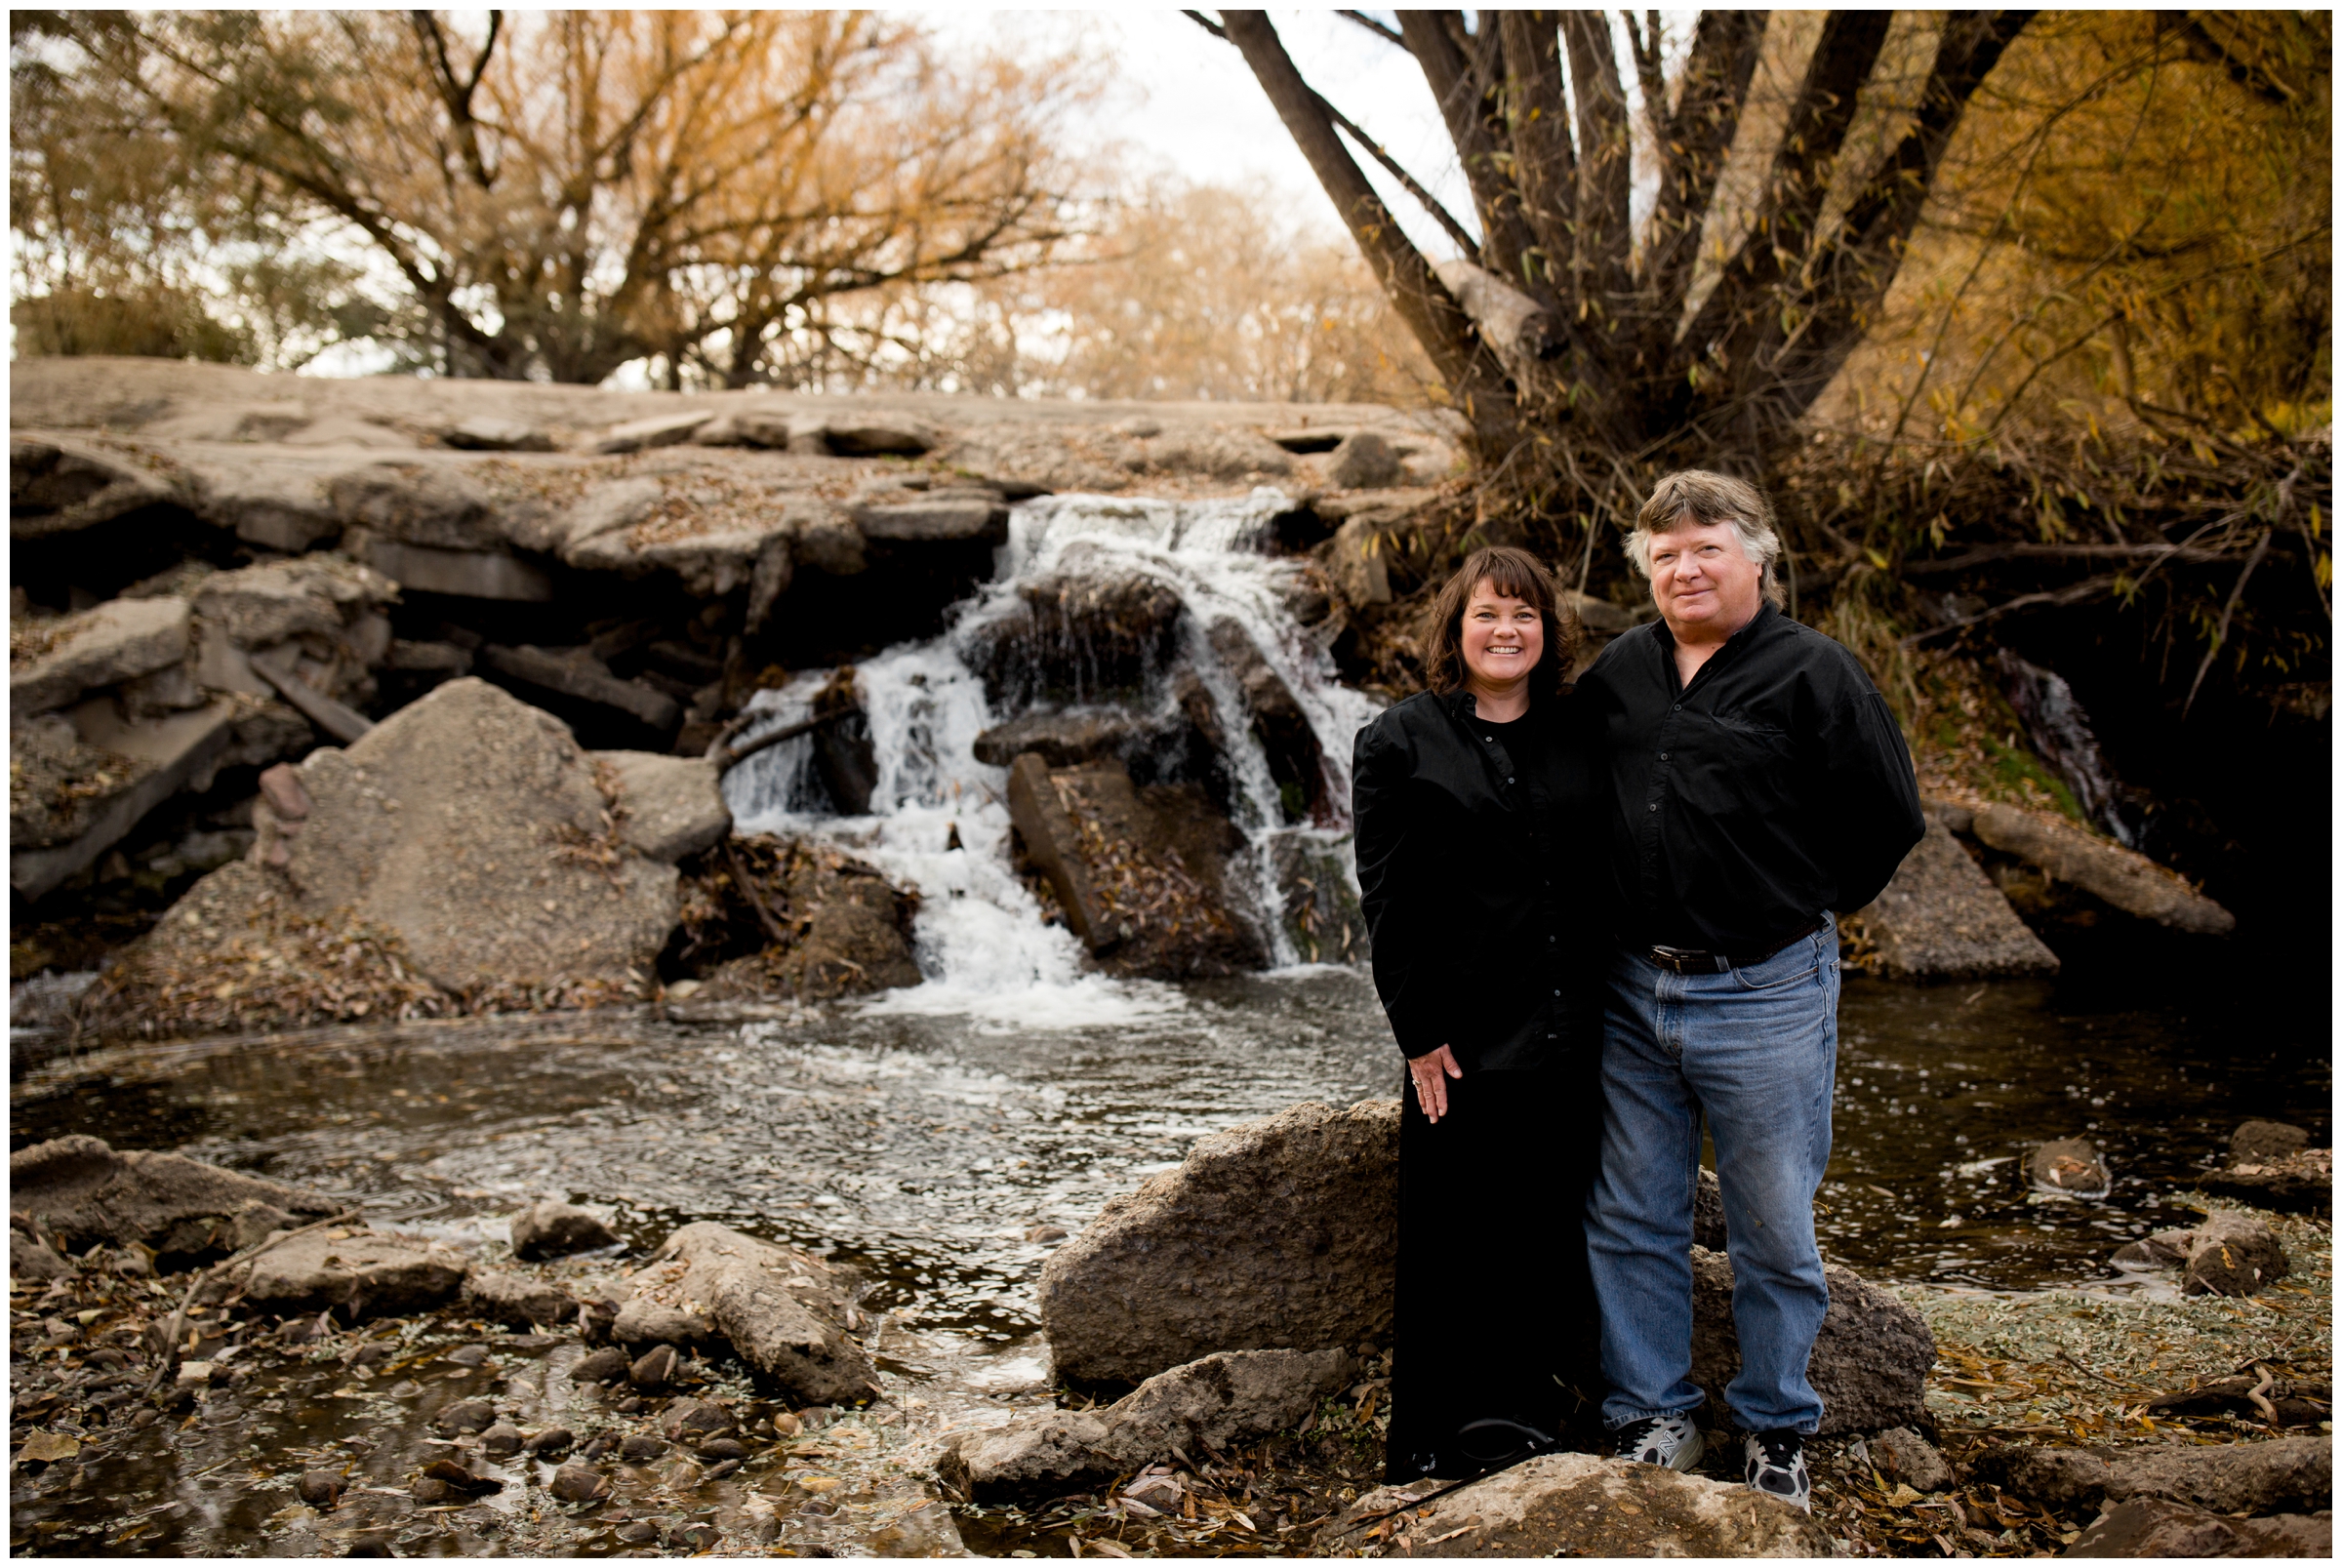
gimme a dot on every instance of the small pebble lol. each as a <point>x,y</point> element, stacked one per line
<point>654,1369</point>
<point>638,1532</point>
<point>641,1448</point>
<point>580,1483</point>
<point>717,1472</point>
<point>321,1489</point>
<point>552,1440</point>
<point>720,1448</point>
<point>466,1416</point>
<point>145,1418</point>
<point>501,1439</point>
<point>603,1366</point>
<point>469,1355</point>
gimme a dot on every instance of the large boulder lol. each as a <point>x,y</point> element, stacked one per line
<point>1870,1360</point>
<point>782,1310</point>
<point>361,1274</point>
<point>1941,918</point>
<point>1208,1404</point>
<point>2282,1476</point>
<point>1576,1505</point>
<point>86,1193</point>
<point>1279,1234</point>
<point>468,826</point>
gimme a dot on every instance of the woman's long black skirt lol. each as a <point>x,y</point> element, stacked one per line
<point>1495,1317</point>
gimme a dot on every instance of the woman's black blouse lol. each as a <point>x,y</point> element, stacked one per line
<point>1480,869</point>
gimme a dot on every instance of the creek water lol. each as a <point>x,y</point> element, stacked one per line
<point>933,1136</point>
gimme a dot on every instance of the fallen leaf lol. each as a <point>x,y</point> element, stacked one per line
<point>48,1447</point>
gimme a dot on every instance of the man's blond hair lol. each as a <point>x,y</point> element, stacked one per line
<point>1693,497</point>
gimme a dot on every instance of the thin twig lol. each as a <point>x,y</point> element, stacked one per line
<point>2227,611</point>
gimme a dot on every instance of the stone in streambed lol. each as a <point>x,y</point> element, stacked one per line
<point>605,1365</point>
<point>782,1310</point>
<point>501,1440</point>
<point>515,1299</point>
<point>1208,1404</point>
<point>2124,878</point>
<point>2257,1142</point>
<point>550,1229</point>
<point>368,1274</point>
<point>2270,1166</point>
<point>656,1369</point>
<point>1578,1505</point>
<point>579,1483</point>
<point>641,1448</point>
<point>689,1421</point>
<point>1940,918</point>
<point>1185,1266</point>
<point>552,1440</point>
<point>2233,1255</point>
<point>84,1192</point>
<point>466,1416</point>
<point>321,1489</point>
<point>2070,1167</point>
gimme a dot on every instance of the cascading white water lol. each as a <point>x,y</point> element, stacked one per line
<point>979,936</point>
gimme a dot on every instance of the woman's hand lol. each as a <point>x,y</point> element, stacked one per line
<point>1432,1070</point>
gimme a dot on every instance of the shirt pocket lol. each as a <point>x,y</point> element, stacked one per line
<point>1752,768</point>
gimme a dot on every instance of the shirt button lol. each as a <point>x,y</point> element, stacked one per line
<point>1663,757</point>
<point>1678,707</point>
<point>1654,805</point>
<point>1507,781</point>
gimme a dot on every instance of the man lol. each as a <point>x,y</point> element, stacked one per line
<point>1757,783</point>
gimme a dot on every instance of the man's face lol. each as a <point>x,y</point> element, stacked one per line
<point>1705,587</point>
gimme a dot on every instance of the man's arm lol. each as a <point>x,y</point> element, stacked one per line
<point>1871,806</point>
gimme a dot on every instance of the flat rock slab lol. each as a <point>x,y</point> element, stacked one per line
<point>1577,1505</point>
<point>1279,1234</point>
<point>782,1310</point>
<point>1940,918</point>
<point>1870,1360</point>
<point>365,1274</point>
<point>1211,1403</point>
<point>2149,1527</point>
<point>517,1299</point>
<point>118,641</point>
<point>555,1229</point>
<point>2124,878</point>
<point>85,1193</point>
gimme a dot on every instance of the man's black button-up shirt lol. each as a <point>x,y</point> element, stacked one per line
<point>1774,787</point>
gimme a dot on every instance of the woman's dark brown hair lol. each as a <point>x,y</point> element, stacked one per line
<point>1516,575</point>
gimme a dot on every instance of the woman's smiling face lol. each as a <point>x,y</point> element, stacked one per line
<point>1504,637</point>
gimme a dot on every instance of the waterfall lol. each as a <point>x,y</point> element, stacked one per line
<point>2060,731</point>
<point>980,937</point>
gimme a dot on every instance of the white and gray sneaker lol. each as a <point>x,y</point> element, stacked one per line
<point>1774,1464</point>
<point>1671,1441</point>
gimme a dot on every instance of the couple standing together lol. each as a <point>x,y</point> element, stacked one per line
<point>1599,913</point>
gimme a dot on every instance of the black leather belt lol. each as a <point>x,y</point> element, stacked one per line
<point>1692,961</point>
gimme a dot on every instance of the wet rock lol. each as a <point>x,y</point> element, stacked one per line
<point>2124,878</point>
<point>2070,1167</point>
<point>674,806</point>
<point>1322,913</point>
<point>501,1441</point>
<point>321,1489</point>
<point>515,1299</point>
<point>782,1310</point>
<point>720,1450</point>
<point>605,1365</point>
<point>466,1416</point>
<point>654,1369</point>
<point>637,1531</point>
<point>365,1274</point>
<point>552,1440</point>
<point>469,827</point>
<point>690,1421</point>
<point>579,1483</point>
<point>1060,740</point>
<point>1357,563</point>
<point>2232,1254</point>
<point>458,1481</point>
<point>2280,1475</point>
<point>2259,1143</point>
<point>1185,1266</point>
<point>462,1356</point>
<point>847,928</point>
<point>1094,629</point>
<point>1278,721</point>
<point>641,1448</point>
<point>1940,918</point>
<point>2164,1249</point>
<point>1141,875</point>
<point>659,431</point>
<point>1870,1359</point>
<point>2299,1182</point>
<point>555,1229</point>
<point>119,640</point>
<point>85,1192</point>
<point>1903,1455</point>
<point>1364,461</point>
<point>1578,1505</point>
<point>1208,1404</point>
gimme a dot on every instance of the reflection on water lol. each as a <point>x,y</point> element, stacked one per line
<point>924,1147</point>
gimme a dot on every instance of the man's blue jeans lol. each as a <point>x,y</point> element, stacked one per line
<point>1757,1049</point>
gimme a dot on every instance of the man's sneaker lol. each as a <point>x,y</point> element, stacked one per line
<point>1671,1441</point>
<point>1774,1464</point>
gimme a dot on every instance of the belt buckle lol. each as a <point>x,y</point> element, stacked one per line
<point>1679,959</point>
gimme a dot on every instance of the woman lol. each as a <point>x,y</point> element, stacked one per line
<point>1477,857</point>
